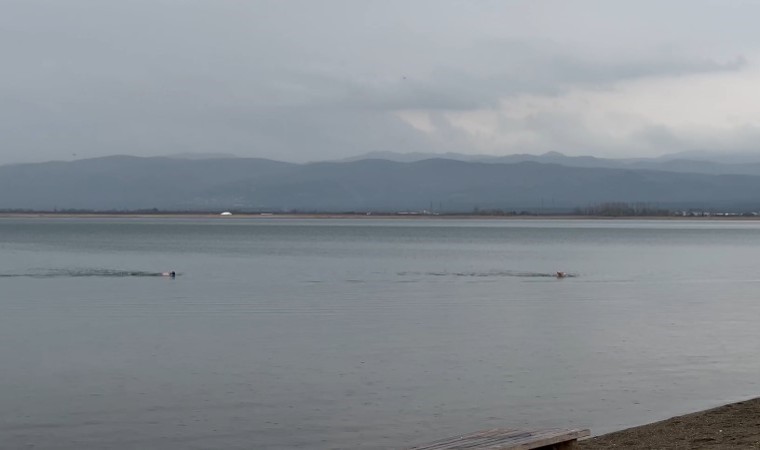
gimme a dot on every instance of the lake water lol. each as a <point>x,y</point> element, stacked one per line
<point>281,334</point>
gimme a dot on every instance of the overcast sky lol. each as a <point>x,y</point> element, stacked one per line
<point>311,80</point>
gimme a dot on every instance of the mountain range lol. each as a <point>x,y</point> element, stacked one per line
<point>686,162</point>
<point>550,183</point>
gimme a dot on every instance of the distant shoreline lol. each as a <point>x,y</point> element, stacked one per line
<point>389,216</point>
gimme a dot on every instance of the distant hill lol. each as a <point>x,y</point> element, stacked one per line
<point>125,182</point>
<point>194,155</point>
<point>714,156</point>
<point>706,163</point>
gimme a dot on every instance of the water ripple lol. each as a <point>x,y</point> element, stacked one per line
<point>70,273</point>
<point>507,273</point>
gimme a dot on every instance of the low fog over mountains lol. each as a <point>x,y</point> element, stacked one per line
<point>547,183</point>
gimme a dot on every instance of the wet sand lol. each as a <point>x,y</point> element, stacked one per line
<point>734,426</point>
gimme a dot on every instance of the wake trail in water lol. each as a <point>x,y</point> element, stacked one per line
<point>507,273</point>
<point>74,273</point>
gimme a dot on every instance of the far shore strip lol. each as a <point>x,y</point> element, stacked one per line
<point>390,216</point>
<point>732,426</point>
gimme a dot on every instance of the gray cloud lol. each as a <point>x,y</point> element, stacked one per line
<point>512,68</point>
<point>302,80</point>
<point>741,141</point>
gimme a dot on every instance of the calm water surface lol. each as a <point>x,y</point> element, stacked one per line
<point>281,334</point>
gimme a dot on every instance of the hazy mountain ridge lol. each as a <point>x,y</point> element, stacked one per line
<point>125,182</point>
<point>684,162</point>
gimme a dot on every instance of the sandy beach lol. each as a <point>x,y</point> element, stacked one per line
<point>734,426</point>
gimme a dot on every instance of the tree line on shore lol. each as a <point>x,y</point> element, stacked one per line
<point>606,209</point>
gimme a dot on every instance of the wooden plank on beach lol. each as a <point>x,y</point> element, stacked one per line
<point>509,439</point>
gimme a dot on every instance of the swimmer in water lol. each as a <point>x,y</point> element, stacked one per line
<point>172,274</point>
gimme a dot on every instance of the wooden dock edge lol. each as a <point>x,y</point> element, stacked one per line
<point>510,439</point>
